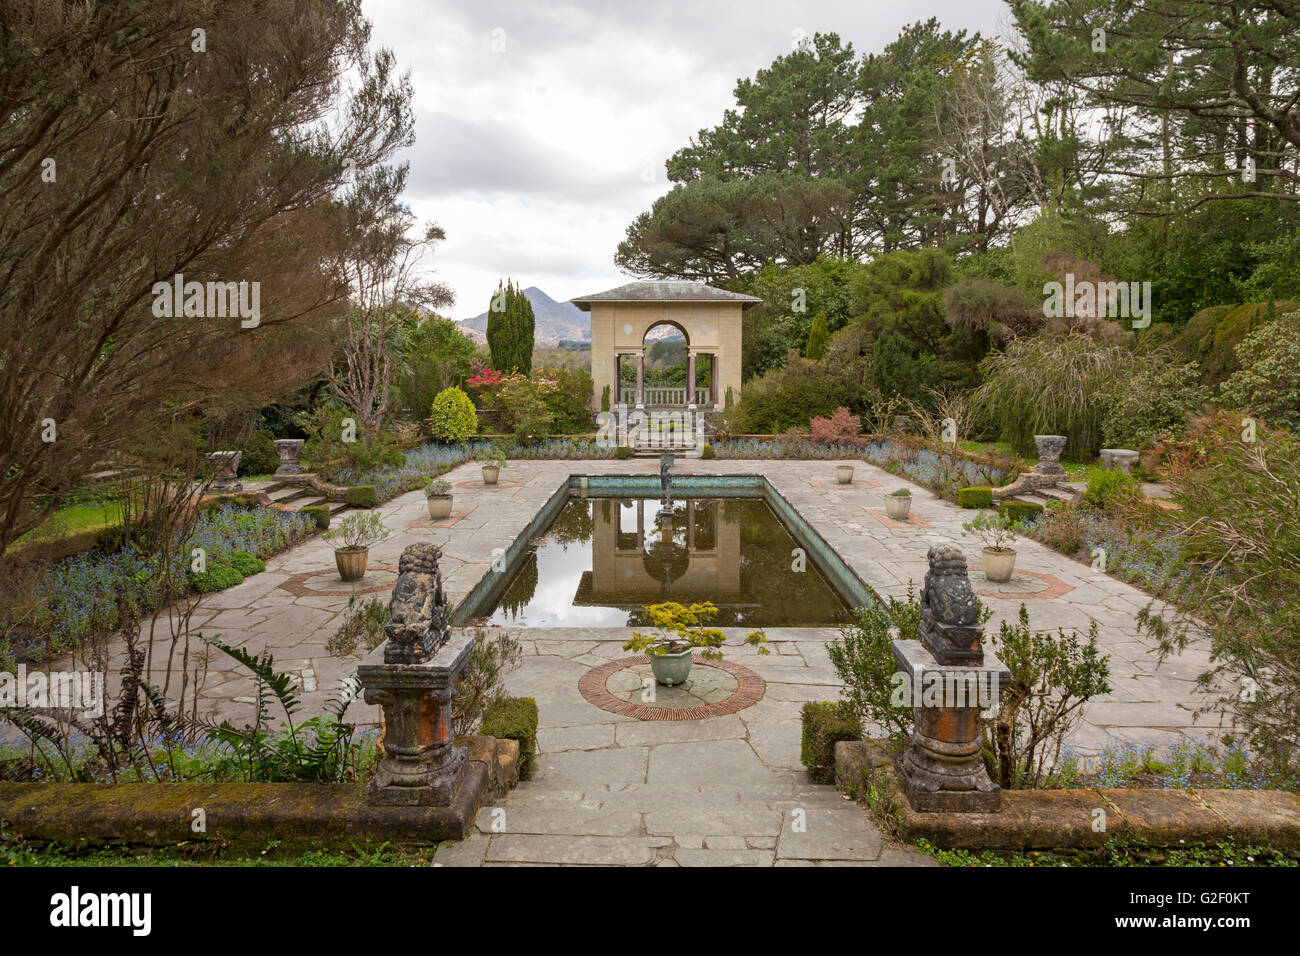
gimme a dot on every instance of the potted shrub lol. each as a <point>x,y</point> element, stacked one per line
<point>681,629</point>
<point>998,532</point>
<point>438,494</point>
<point>898,503</point>
<point>492,461</point>
<point>356,532</point>
<point>844,474</point>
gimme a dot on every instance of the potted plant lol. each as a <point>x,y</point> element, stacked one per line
<point>357,532</point>
<point>998,532</point>
<point>844,474</point>
<point>492,461</point>
<point>438,495</point>
<point>898,503</point>
<point>682,629</point>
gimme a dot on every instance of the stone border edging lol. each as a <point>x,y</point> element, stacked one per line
<point>246,817</point>
<point>1065,819</point>
<point>750,691</point>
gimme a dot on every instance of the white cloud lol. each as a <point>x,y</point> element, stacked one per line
<point>536,158</point>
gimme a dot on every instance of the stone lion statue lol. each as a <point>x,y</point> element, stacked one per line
<point>418,612</point>
<point>949,611</point>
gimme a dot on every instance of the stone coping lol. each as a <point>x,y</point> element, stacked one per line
<point>247,817</point>
<point>1071,819</point>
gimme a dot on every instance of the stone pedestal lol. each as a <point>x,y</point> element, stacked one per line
<point>1119,459</point>
<point>288,449</point>
<point>942,769</point>
<point>420,766</point>
<point>952,679</point>
<point>1049,454</point>
<point>226,464</point>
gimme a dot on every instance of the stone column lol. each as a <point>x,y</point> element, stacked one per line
<point>1049,454</point>
<point>690,380</point>
<point>952,679</point>
<point>412,676</point>
<point>640,379</point>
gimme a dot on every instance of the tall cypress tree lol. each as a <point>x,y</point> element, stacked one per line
<point>510,330</point>
<point>497,328</point>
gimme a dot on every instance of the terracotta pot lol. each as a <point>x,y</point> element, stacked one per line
<point>670,669</point>
<point>897,506</point>
<point>999,564</point>
<point>490,474</point>
<point>439,506</point>
<point>844,474</point>
<point>352,562</point>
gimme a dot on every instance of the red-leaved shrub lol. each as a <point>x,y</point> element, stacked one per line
<point>840,429</point>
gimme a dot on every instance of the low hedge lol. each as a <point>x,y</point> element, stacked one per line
<point>515,718</point>
<point>318,513</point>
<point>825,723</point>
<point>1021,510</point>
<point>975,497</point>
<point>362,496</point>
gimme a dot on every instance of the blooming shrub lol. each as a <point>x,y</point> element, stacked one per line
<point>842,428</point>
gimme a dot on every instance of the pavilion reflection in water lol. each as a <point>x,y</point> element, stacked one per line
<point>642,553</point>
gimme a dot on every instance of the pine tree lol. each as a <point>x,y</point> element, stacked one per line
<point>818,337</point>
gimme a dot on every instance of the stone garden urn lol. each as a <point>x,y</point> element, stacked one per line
<point>288,449</point>
<point>1119,459</point>
<point>844,474</point>
<point>1049,454</point>
<point>898,505</point>
<point>226,465</point>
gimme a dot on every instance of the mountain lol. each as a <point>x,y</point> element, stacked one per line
<point>553,320</point>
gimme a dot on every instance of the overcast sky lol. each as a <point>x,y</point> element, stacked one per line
<point>542,127</point>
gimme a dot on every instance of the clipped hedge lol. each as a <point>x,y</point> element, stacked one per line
<point>1021,510</point>
<point>825,723</point>
<point>622,451</point>
<point>707,452</point>
<point>452,418</point>
<point>318,513</point>
<point>362,496</point>
<point>975,497</point>
<point>515,718</point>
<point>217,577</point>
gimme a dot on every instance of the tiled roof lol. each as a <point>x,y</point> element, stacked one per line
<point>665,290</point>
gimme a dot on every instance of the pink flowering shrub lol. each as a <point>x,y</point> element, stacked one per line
<point>840,429</point>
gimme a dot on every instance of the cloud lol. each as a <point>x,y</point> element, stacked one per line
<point>542,128</point>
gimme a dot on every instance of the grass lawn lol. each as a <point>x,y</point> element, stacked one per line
<point>73,521</point>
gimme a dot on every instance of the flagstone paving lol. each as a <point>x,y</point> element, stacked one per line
<point>723,790</point>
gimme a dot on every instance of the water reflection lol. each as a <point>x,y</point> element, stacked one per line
<point>603,558</point>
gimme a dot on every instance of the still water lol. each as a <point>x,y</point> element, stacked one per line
<point>603,558</point>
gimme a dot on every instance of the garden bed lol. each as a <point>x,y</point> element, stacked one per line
<point>248,817</point>
<point>1085,818</point>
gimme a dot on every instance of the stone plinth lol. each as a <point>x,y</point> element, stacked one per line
<point>1049,454</point>
<point>421,766</point>
<point>289,449</point>
<point>942,769</point>
<point>1119,459</point>
<point>226,465</point>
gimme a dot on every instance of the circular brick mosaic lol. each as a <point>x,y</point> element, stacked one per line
<point>1024,585</point>
<point>612,688</point>
<point>327,583</point>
